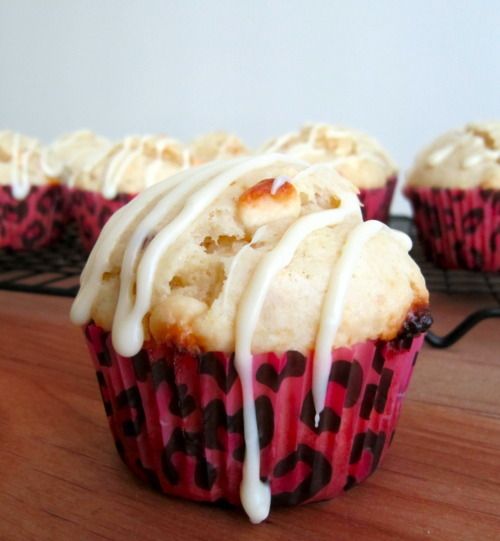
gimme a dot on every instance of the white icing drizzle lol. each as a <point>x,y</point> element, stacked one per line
<point>333,308</point>
<point>278,182</point>
<point>119,222</point>
<point>186,158</point>
<point>20,179</point>
<point>439,155</point>
<point>257,237</point>
<point>128,334</point>
<point>176,203</point>
<point>49,170</point>
<point>311,149</point>
<point>255,495</point>
<point>119,165</point>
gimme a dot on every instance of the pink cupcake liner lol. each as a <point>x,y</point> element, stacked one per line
<point>32,222</point>
<point>460,229</point>
<point>91,210</point>
<point>177,417</point>
<point>67,195</point>
<point>377,201</point>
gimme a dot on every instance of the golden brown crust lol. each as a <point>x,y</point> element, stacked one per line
<point>258,204</point>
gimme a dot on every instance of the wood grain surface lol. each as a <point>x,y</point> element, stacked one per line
<point>61,478</point>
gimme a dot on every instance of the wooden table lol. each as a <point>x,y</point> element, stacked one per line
<point>61,478</point>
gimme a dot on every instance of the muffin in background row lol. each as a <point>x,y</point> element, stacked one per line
<point>127,168</point>
<point>170,324</point>
<point>32,202</point>
<point>357,156</point>
<point>454,189</point>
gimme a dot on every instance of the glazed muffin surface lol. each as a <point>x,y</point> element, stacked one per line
<point>463,158</point>
<point>197,283</point>
<point>356,155</point>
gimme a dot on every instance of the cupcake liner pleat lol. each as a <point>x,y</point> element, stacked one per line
<point>459,229</point>
<point>32,222</point>
<point>177,418</point>
<point>91,211</point>
<point>377,201</point>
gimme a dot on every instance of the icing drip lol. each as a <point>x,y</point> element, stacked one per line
<point>161,215</point>
<point>20,179</point>
<point>257,237</point>
<point>333,307</point>
<point>255,495</point>
<point>119,222</point>
<point>278,182</point>
<point>119,166</point>
<point>49,169</point>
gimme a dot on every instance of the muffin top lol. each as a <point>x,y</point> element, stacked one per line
<point>468,157</point>
<point>189,260</point>
<point>357,156</point>
<point>216,146</point>
<point>21,163</point>
<point>134,164</point>
<point>74,152</point>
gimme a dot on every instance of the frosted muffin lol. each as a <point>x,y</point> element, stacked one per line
<point>71,154</point>
<point>119,175</point>
<point>253,337</point>
<point>216,146</point>
<point>357,156</point>
<point>454,188</point>
<point>31,202</point>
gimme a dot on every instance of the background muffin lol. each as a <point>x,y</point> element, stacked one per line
<point>127,168</point>
<point>31,203</point>
<point>357,156</point>
<point>216,146</point>
<point>259,270</point>
<point>70,155</point>
<point>454,188</point>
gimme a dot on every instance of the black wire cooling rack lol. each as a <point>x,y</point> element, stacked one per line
<point>55,271</point>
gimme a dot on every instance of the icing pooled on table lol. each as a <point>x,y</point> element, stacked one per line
<point>149,227</point>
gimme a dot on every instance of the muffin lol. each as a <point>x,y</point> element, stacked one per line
<point>31,202</point>
<point>118,176</point>
<point>216,146</point>
<point>71,154</point>
<point>356,156</point>
<point>454,188</point>
<point>253,338</point>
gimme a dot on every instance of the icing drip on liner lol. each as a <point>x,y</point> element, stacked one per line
<point>182,199</point>
<point>20,179</point>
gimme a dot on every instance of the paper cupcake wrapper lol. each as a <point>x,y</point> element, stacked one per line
<point>67,212</point>
<point>458,228</point>
<point>177,418</point>
<point>91,210</point>
<point>32,222</point>
<point>377,201</point>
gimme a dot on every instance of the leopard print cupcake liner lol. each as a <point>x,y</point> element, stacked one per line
<point>177,418</point>
<point>91,210</point>
<point>32,222</point>
<point>377,201</point>
<point>460,229</point>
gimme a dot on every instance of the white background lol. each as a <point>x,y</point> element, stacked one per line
<point>403,71</point>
